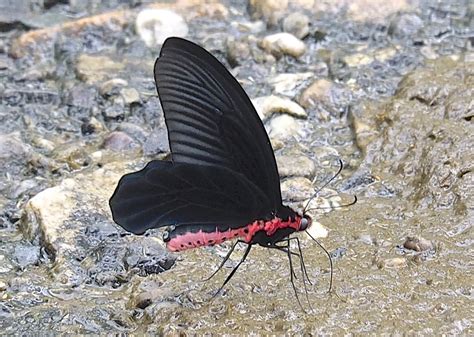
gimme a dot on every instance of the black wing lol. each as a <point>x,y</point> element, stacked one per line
<point>210,119</point>
<point>166,193</point>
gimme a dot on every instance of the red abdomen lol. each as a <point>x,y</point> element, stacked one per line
<point>176,242</point>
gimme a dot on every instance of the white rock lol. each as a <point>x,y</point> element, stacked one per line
<point>283,126</point>
<point>155,25</point>
<point>317,230</point>
<point>295,166</point>
<point>283,43</point>
<point>289,84</point>
<point>268,105</point>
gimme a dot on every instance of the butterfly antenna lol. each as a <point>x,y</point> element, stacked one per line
<point>329,257</point>
<point>353,202</point>
<point>341,166</point>
<point>247,251</point>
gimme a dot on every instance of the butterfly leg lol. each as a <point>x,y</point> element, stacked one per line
<point>229,253</point>
<point>247,251</point>
<point>288,251</point>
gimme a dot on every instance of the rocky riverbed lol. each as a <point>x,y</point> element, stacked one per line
<point>387,87</point>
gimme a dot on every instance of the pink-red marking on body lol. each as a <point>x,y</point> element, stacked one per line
<point>198,239</point>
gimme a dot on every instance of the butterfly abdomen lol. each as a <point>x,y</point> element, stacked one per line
<point>260,231</point>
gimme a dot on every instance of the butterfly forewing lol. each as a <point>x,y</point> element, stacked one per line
<point>210,119</point>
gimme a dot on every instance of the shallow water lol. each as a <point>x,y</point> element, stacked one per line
<point>397,108</point>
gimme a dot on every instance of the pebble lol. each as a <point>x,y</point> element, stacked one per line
<point>283,126</point>
<point>392,263</point>
<point>296,189</point>
<point>317,230</point>
<point>335,97</point>
<point>266,106</point>
<point>156,142</point>
<point>238,51</point>
<point>405,25</point>
<point>270,10</point>
<point>82,96</point>
<point>26,255</point>
<point>297,24</point>
<point>299,166</point>
<point>11,147</point>
<point>130,95</point>
<point>417,244</point>
<point>3,285</point>
<point>154,26</point>
<point>91,125</point>
<point>96,69</point>
<point>288,84</point>
<point>283,44</point>
<point>119,141</point>
<point>112,87</point>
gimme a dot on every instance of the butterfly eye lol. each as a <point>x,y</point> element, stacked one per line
<point>166,236</point>
<point>305,222</point>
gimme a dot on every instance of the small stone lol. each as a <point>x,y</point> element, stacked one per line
<point>156,143</point>
<point>119,141</point>
<point>238,51</point>
<point>296,189</point>
<point>283,44</point>
<point>290,84</point>
<point>317,230</point>
<point>154,26</point>
<point>26,255</point>
<point>334,97</point>
<point>392,263</point>
<point>91,125</point>
<point>270,10</point>
<point>268,105</point>
<point>417,244</point>
<point>405,25</point>
<point>297,24</point>
<point>130,95</point>
<point>299,166</point>
<point>366,239</point>
<point>3,285</point>
<point>96,69</point>
<point>116,111</point>
<point>254,27</point>
<point>283,126</point>
<point>133,130</point>
<point>112,87</point>
<point>82,97</point>
<point>11,147</point>
<point>358,60</point>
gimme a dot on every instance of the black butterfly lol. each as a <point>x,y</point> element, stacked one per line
<point>222,181</point>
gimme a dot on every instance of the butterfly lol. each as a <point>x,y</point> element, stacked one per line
<point>222,181</point>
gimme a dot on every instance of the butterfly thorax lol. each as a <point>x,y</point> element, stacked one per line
<point>262,232</point>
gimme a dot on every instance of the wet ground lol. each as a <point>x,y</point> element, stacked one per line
<point>387,87</point>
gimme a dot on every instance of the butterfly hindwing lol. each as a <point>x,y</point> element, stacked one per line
<point>166,193</point>
<point>210,119</point>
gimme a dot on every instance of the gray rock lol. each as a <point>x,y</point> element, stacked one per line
<point>238,51</point>
<point>26,255</point>
<point>297,24</point>
<point>130,95</point>
<point>266,106</point>
<point>270,10</point>
<point>283,127</point>
<point>290,84</point>
<point>112,87</point>
<point>62,217</point>
<point>11,146</point>
<point>156,142</point>
<point>299,166</point>
<point>81,99</point>
<point>331,96</point>
<point>155,25</point>
<point>405,24</point>
<point>283,44</point>
<point>296,189</point>
<point>119,141</point>
<point>96,69</point>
